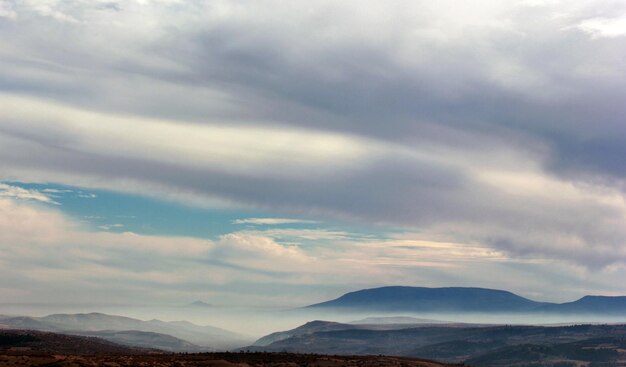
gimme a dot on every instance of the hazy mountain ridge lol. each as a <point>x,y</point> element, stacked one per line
<point>463,299</point>
<point>396,320</point>
<point>308,328</point>
<point>321,326</point>
<point>589,304</point>
<point>146,339</point>
<point>463,344</point>
<point>207,337</point>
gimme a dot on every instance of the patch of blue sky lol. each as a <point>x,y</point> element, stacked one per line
<point>122,212</point>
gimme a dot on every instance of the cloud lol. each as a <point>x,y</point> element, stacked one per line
<point>107,227</point>
<point>56,259</point>
<point>272,221</point>
<point>495,124</point>
<point>57,191</point>
<point>604,27</point>
<point>15,192</point>
<point>7,11</point>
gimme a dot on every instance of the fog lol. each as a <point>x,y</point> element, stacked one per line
<point>256,322</point>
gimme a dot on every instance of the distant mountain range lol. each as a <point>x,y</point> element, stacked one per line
<point>488,346</point>
<point>398,320</point>
<point>460,299</point>
<point>373,323</point>
<point>170,336</point>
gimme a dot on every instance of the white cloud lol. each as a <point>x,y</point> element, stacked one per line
<point>7,11</point>
<point>604,27</point>
<point>494,123</point>
<point>15,192</point>
<point>246,151</point>
<point>107,227</point>
<point>272,221</point>
<point>41,249</point>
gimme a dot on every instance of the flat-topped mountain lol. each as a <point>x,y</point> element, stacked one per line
<point>422,299</point>
<point>463,299</point>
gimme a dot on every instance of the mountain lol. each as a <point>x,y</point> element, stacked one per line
<point>209,337</point>
<point>580,344</point>
<point>460,299</point>
<point>308,328</point>
<point>144,339</point>
<point>25,322</point>
<point>200,304</point>
<point>372,323</point>
<point>396,320</point>
<point>589,305</point>
<point>422,299</point>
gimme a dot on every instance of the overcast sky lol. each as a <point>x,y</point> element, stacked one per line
<point>284,152</point>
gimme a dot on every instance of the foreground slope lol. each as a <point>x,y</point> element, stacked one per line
<point>26,342</point>
<point>34,348</point>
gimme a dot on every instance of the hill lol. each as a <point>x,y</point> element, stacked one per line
<point>422,299</point>
<point>31,341</point>
<point>308,328</point>
<point>477,345</point>
<point>213,360</point>
<point>144,339</point>
<point>209,337</point>
<point>607,351</point>
<point>589,305</point>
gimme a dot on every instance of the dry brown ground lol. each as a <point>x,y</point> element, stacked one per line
<point>15,359</point>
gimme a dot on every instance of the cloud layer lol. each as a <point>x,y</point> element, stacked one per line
<point>490,124</point>
<point>48,257</point>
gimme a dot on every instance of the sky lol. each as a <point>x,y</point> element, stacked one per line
<point>276,154</point>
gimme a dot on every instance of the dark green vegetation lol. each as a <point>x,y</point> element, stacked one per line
<point>475,345</point>
<point>459,299</point>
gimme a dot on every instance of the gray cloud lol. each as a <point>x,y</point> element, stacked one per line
<point>486,122</point>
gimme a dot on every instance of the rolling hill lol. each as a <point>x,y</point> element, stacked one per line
<point>478,346</point>
<point>208,337</point>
